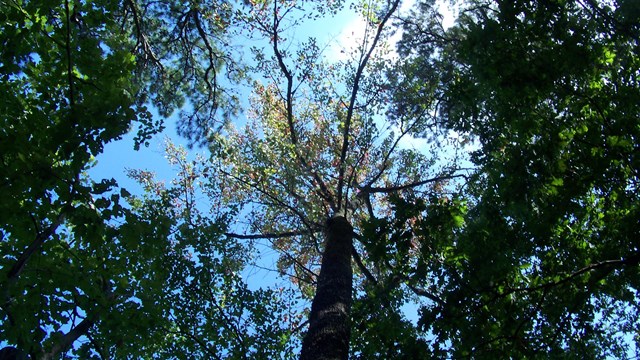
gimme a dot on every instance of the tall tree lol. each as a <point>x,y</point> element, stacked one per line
<point>315,157</point>
<point>546,263</point>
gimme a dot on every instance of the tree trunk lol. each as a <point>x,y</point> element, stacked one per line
<point>11,353</point>
<point>329,321</point>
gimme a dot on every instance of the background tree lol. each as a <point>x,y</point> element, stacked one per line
<point>546,263</point>
<point>208,311</point>
<point>75,76</point>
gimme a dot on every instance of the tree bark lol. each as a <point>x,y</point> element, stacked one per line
<point>329,322</point>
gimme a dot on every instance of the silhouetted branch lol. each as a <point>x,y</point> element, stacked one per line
<point>69,338</point>
<point>365,271</point>
<point>267,235</point>
<point>390,189</point>
<point>19,265</point>
<point>425,293</point>
<point>609,265</point>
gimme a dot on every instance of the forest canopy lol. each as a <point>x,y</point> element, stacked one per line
<point>460,182</point>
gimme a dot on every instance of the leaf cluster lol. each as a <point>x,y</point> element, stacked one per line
<point>547,260</point>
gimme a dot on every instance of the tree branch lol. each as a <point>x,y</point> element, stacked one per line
<point>141,38</point>
<point>231,325</point>
<point>372,190</point>
<point>425,293</point>
<point>365,271</point>
<point>19,265</point>
<point>69,63</point>
<point>275,199</point>
<point>392,149</point>
<point>287,74</point>
<point>67,339</point>
<point>324,190</point>
<point>632,260</point>
<point>199,341</point>
<point>212,57</point>
<point>352,100</point>
<point>267,236</point>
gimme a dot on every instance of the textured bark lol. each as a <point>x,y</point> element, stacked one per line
<point>329,321</point>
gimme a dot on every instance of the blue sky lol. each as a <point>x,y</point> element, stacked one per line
<point>342,32</point>
<point>345,31</point>
<point>119,155</point>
